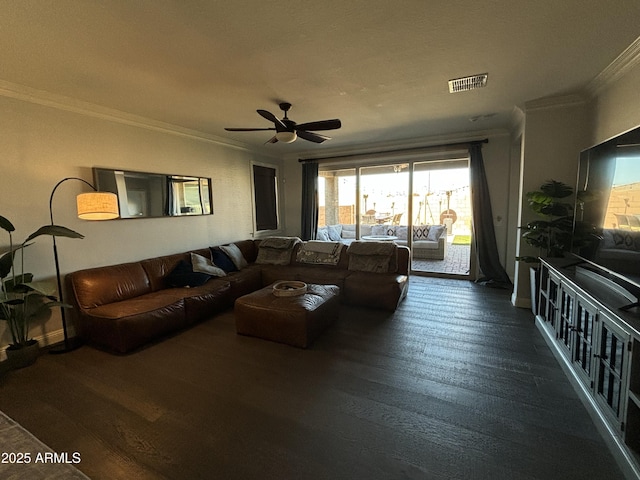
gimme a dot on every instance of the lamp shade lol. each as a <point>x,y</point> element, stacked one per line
<point>286,137</point>
<point>97,206</point>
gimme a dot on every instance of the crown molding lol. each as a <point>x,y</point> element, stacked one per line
<point>624,62</point>
<point>68,104</point>
<point>559,101</point>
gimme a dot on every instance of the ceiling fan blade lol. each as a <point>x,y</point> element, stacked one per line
<point>271,140</point>
<point>321,125</point>
<point>272,118</point>
<point>247,129</point>
<point>312,137</point>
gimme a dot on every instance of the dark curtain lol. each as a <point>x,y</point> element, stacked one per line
<point>483,234</point>
<point>264,181</point>
<point>309,220</point>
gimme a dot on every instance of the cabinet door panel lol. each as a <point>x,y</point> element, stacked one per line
<point>611,365</point>
<point>583,349</point>
<point>565,322</point>
<point>553,300</point>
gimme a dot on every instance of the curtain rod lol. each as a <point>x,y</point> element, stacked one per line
<point>405,150</point>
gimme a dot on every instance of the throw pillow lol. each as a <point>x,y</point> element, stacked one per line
<point>348,231</point>
<point>335,232</point>
<point>401,232</point>
<point>378,230</point>
<point>235,255</point>
<point>184,276</point>
<point>435,232</point>
<point>322,234</point>
<point>420,232</point>
<point>222,260</point>
<point>204,265</point>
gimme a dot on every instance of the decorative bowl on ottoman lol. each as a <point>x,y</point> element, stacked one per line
<point>289,288</point>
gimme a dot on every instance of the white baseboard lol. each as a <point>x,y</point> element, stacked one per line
<point>49,338</point>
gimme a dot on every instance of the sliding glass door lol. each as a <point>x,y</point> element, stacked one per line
<point>425,205</point>
<point>443,196</point>
<point>384,193</point>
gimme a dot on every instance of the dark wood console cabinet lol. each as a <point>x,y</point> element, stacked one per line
<point>598,346</point>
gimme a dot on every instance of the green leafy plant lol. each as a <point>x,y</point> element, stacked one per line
<point>21,299</point>
<point>552,234</point>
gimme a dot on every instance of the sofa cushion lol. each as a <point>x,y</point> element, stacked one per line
<point>159,268</point>
<point>103,285</point>
<point>276,250</point>
<point>371,256</point>
<point>348,231</point>
<point>425,244</point>
<point>125,325</point>
<point>321,253</point>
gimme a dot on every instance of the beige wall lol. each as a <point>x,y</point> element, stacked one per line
<point>40,145</point>
<point>615,108</point>
<point>555,132</point>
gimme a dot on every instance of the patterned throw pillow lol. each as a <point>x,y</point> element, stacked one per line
<point>420,232</point>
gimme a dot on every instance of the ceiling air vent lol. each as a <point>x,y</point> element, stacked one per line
<point>468,83</point>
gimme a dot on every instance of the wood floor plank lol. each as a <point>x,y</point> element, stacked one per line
<point>456,384</point>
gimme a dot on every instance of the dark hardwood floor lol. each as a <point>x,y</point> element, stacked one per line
<point>457,384</point>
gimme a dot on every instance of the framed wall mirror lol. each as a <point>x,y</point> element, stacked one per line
<point>145,195</point>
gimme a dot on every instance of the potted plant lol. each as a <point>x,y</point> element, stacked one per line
<point>21,299</point>
<point>552,233</point>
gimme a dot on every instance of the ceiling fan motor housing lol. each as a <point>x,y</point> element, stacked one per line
<point>287,131</point>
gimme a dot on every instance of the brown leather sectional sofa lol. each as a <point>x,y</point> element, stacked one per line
<point>122,307</point>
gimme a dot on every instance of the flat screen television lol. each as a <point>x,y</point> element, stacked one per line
<point>606,232</point>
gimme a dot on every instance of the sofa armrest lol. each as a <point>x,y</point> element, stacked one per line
<point>404,260</point>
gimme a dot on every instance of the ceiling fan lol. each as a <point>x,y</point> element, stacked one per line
<point>287,130</point>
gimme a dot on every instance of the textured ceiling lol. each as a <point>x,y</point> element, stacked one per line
<point>381,67</point>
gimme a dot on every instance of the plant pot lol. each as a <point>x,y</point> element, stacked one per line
<point>23,356</point>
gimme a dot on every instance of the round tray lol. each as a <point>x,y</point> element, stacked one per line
<point>289,288</point>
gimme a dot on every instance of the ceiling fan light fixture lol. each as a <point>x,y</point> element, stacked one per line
<point>286,137</point>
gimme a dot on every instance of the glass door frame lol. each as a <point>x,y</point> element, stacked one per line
<point>441,157</point>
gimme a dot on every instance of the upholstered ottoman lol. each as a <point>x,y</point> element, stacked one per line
<point>295,320</point>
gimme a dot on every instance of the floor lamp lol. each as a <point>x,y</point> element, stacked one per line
<point>91,206</point>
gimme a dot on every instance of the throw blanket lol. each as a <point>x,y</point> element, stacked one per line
<point>276,250</point>
<point>286,243</point>
<point>371,256</point>
<point>316,252</point>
